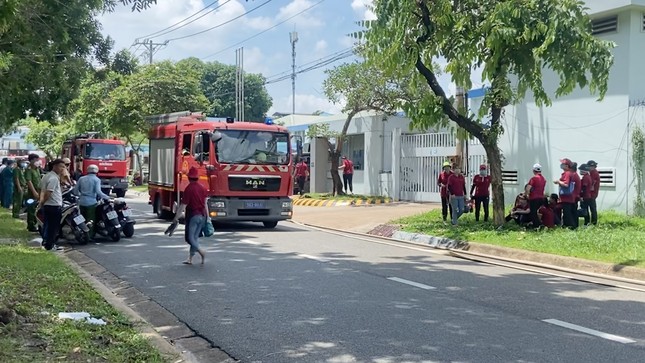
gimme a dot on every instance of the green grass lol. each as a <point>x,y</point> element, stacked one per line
<point>327,196</point>
<point>12,228</point>
<point>139,188</point>
<point>35,286</point>
<point>617,239</point>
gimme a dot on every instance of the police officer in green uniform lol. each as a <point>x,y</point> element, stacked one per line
<point>19,188</point>
<point>32,177</point>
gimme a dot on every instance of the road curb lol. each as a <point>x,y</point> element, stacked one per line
<point>311,202</point>
<point>172,337</point>
<point>536,259</point>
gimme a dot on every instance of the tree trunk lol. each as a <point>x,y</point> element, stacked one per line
<point>495,160</point>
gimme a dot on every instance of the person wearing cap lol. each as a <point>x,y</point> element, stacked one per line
<point>457,193</point>
<point>19,188</point>
<point>348,174</point>
<point>535,191</point>
<point>89,190</point>
<point>567,194</point>
<point>586,192</point>
<point>51,200</point>
<point>442,181</point>
<point>32,177</point>
<point>480,192</point>
<point>193,202</point>
<point>6,177</point>
<point>595,188</point>
<point>66,177</point>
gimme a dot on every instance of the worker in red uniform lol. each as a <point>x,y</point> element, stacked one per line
<point>457,193</point>
<point>302,172</point>
<point>585,192</point>
<point>595,188</point>
<point>193,202</point>
<point>535,190</point>
<point>546,215</point>
<point>480,192</point>
<point>348,174</point>
<point>567,194</point>
<point>442,181</point>
<point>577,180</point>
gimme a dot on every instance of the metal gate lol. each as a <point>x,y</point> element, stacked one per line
<point>422,158</point>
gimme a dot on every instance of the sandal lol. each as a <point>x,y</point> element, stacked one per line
<point>187,263</point>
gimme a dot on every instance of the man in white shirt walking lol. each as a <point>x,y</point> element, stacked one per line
<point>51,200</point>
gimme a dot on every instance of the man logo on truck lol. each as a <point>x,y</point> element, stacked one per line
<point>256,182</point>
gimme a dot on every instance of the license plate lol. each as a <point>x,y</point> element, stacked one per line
<point>112,215</point>
<point>126,212</point>
<point>254,205</point>
<point>79,219</point>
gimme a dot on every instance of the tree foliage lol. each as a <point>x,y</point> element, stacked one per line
<point>46,136</point>
<point>361,87</point>
<point>512,41</point>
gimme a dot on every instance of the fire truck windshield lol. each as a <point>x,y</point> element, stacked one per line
<point>253,147</point>
<point>98,151</point>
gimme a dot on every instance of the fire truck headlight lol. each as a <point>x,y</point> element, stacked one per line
<point>218,205</point>
<point>286,205</point>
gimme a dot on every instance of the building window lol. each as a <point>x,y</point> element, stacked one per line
<point>354,149</point>
<point>510,177</point>
<point>607,176</point>
<point>643,22</point>
<point>604,25</point>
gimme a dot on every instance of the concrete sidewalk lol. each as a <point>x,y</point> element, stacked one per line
<point>358,218</point>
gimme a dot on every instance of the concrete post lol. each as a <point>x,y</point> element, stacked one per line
<point>396,164</point>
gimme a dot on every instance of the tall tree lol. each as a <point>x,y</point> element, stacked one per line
<point>46,47</point>
<point>361,87</point>
<point>46,136</point>
<point>512,41</point>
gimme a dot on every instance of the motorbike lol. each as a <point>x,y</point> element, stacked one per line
<point>107,221</point>
<point>125,217</point>
<point>73,225</point>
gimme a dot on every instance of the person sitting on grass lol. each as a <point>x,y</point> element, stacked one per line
<point>521,210</point>
<point>556,207</point>
<point>546,215</point>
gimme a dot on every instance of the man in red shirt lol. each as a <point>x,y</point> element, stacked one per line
<point>348,174</point>
<point>480,191</point>
<point>547,216</point>
<point>193,202</point>
<point>302,172</point>
<point>442,180</point>
<point>457,192</point>
<point>535,190</point>
<point>586,192</point>
<point>595,188</point>
<point>568,197</point>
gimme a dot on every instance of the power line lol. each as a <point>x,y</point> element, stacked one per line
<point>164,32</point>
<point>151,47</point>
<point>264,31</point>
<point>221,24</point>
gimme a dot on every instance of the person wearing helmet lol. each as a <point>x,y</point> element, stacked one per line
<point>480,192</point>
<point>89,190</point>
<point>442,181</point>
<point>66,177</point>
<point>535,190</point>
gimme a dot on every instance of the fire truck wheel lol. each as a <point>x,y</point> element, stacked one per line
<point>120,193</point>
<point>160,212</point>
<point>270,224</point>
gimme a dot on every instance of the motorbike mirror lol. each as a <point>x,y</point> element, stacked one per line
<point>30,202</point>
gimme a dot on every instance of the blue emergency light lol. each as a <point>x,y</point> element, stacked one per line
<point>268,121</point>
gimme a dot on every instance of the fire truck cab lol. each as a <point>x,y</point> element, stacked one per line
<point>246,167</point>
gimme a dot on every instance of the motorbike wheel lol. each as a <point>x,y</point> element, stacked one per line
<point>128,230</point>
<point>82,238</point>
<point>115,235</point>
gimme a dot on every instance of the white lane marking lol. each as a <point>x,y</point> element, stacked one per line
<point>319,259</point>
<point>582,329</point>
<point>412,283</point>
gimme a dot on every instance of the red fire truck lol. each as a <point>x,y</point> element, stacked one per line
<point>108,154</point>
<point>245,166</point>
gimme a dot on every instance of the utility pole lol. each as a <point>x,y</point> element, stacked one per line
<point>151,47</point>
<point>294,38</point>
<point>239,84</point>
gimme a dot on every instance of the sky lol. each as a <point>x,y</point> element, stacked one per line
<point>262,27</point>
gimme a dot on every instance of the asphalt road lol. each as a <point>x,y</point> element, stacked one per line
<point>299,295</point>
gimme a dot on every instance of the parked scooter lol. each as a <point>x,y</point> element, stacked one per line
<point>73,225</point>
<point>107,221</point>
<point>125,217</point>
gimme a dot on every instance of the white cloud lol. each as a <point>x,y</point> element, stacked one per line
<point>364,9</point>
<point>304,20</point>
<point>321,46</point>
<point>255,61</point>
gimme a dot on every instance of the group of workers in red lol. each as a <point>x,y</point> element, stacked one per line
<point>532,208</point>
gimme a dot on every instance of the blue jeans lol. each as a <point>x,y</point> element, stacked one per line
<point>194,226</point>
<point>458,205</point>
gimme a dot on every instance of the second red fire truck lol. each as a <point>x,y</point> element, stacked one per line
<point>245,166</point>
